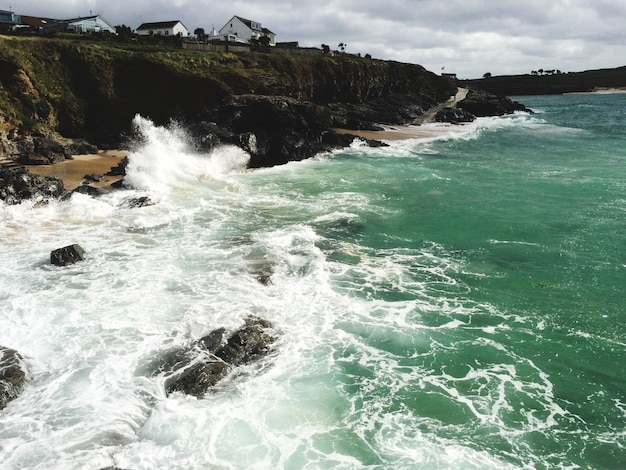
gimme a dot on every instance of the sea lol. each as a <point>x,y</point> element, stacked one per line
<point>454,302</point>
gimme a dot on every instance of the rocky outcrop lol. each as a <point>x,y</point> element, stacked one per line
<point>454,116</point>
<point>482,104</point>
<point>17,185</point>
<point>195,370</point>
<point>12,375</point>
<point>67,255</point>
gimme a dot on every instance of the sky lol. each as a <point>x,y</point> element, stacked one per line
<point>466,37</point>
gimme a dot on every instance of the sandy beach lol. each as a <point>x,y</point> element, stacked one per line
<point>424,132</point>
<point>73,172</point>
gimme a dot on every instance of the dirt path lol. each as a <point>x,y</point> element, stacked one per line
<point>429,115</point>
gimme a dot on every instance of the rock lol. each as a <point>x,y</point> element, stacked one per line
<point>454,116</point>
<point>67,255</point>
<point>197,369</point>
<point>87,189</point>
<point>136,202</point>
<point>119,169</point>
<point>17,185</point>
<point>481,104</point>
<point>12,375</point>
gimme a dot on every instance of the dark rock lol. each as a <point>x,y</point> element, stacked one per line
<point>454,116</point>
<point>276,129</point>
<point>119,169</point>
<point>93,178</point>
<point>200,367</point>
<point>136,202</point>
<point>67,255</point>
<point>17,185</point>
<point>12,375</point>
<point>481,104</point>
<point>86,189</point>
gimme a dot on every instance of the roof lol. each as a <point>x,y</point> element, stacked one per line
<point>160,25</point>
<point>248,23</point>
<point>36,22</point>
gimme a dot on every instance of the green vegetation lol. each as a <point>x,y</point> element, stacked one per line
<point>549,83</point>
<point>92,87</point>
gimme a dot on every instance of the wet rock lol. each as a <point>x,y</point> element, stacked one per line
<point>67,255</point>
<point>136,202</point>
<point>454,116</point>
<point>119,169</point>
<point>12,375</point>
<point>17,185</point>
<point>87,189</point>
<point>196,370</point>
<point>481,104</point>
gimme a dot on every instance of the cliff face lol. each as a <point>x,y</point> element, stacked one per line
<point>93,90</point>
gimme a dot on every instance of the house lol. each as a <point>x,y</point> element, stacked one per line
<point>163,28</point>
<point>87,24</point>
<point>34,23</point>
<point>8,20</point>
<point>449,76</point>
<point>242,30</point>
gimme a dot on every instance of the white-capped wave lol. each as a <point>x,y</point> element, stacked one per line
<point>165,160</point>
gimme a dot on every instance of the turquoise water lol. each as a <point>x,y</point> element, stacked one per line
<point>456,303</point>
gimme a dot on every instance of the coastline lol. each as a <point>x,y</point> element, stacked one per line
<point>599,91</point>
<point>425,132</point>
<point>74,171</point>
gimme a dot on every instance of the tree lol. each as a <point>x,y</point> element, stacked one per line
<point>342,47</point>
<point>325,49</point>
<point>124,33</point>
<point>199,32</point>
<point>487,75</point>
<point>264,40</point>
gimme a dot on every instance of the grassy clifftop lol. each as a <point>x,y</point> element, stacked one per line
<point>590,80</point>
<point>92,90</point>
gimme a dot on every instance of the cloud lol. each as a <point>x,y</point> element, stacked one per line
<point>469,37</point>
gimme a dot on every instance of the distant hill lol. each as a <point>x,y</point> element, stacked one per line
<point>518,85</point>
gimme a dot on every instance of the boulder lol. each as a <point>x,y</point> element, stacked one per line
<point>17,185</point>
<point>481,104</point>
<point>12,375</point>
<point>67,255</point>
<point>454,116</point>
<point>195,370</point>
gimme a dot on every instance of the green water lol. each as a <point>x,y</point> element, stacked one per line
<point>503,329</point>
<point>455,304</point>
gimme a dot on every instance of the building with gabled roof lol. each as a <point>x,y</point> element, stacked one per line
<point>87,24</point>
<point>163,28</point>
<point>239,29</point>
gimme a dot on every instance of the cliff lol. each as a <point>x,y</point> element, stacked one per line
<point>517,85</point>
<point>92,90</point>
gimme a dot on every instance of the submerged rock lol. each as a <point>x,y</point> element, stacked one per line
<point>67,255</point>
<point>12,375</point>
<point>200,367</point>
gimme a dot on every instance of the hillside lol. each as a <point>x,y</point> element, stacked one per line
<point>92,90</point>
<point>518,85</point>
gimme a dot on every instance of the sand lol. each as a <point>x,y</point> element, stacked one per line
<point>426,132</point>
<point>72,172</point>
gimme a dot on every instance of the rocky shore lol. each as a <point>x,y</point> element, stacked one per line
<point>288,110</point>
<point>272,129</point>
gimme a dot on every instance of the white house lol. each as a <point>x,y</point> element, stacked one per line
<point>242,30</point>
<point>88,24</point>
<point>163,28</point>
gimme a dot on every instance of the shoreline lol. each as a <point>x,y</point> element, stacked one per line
<point>600,91</point>
<point>74,171</point>
<point>424,132</point>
